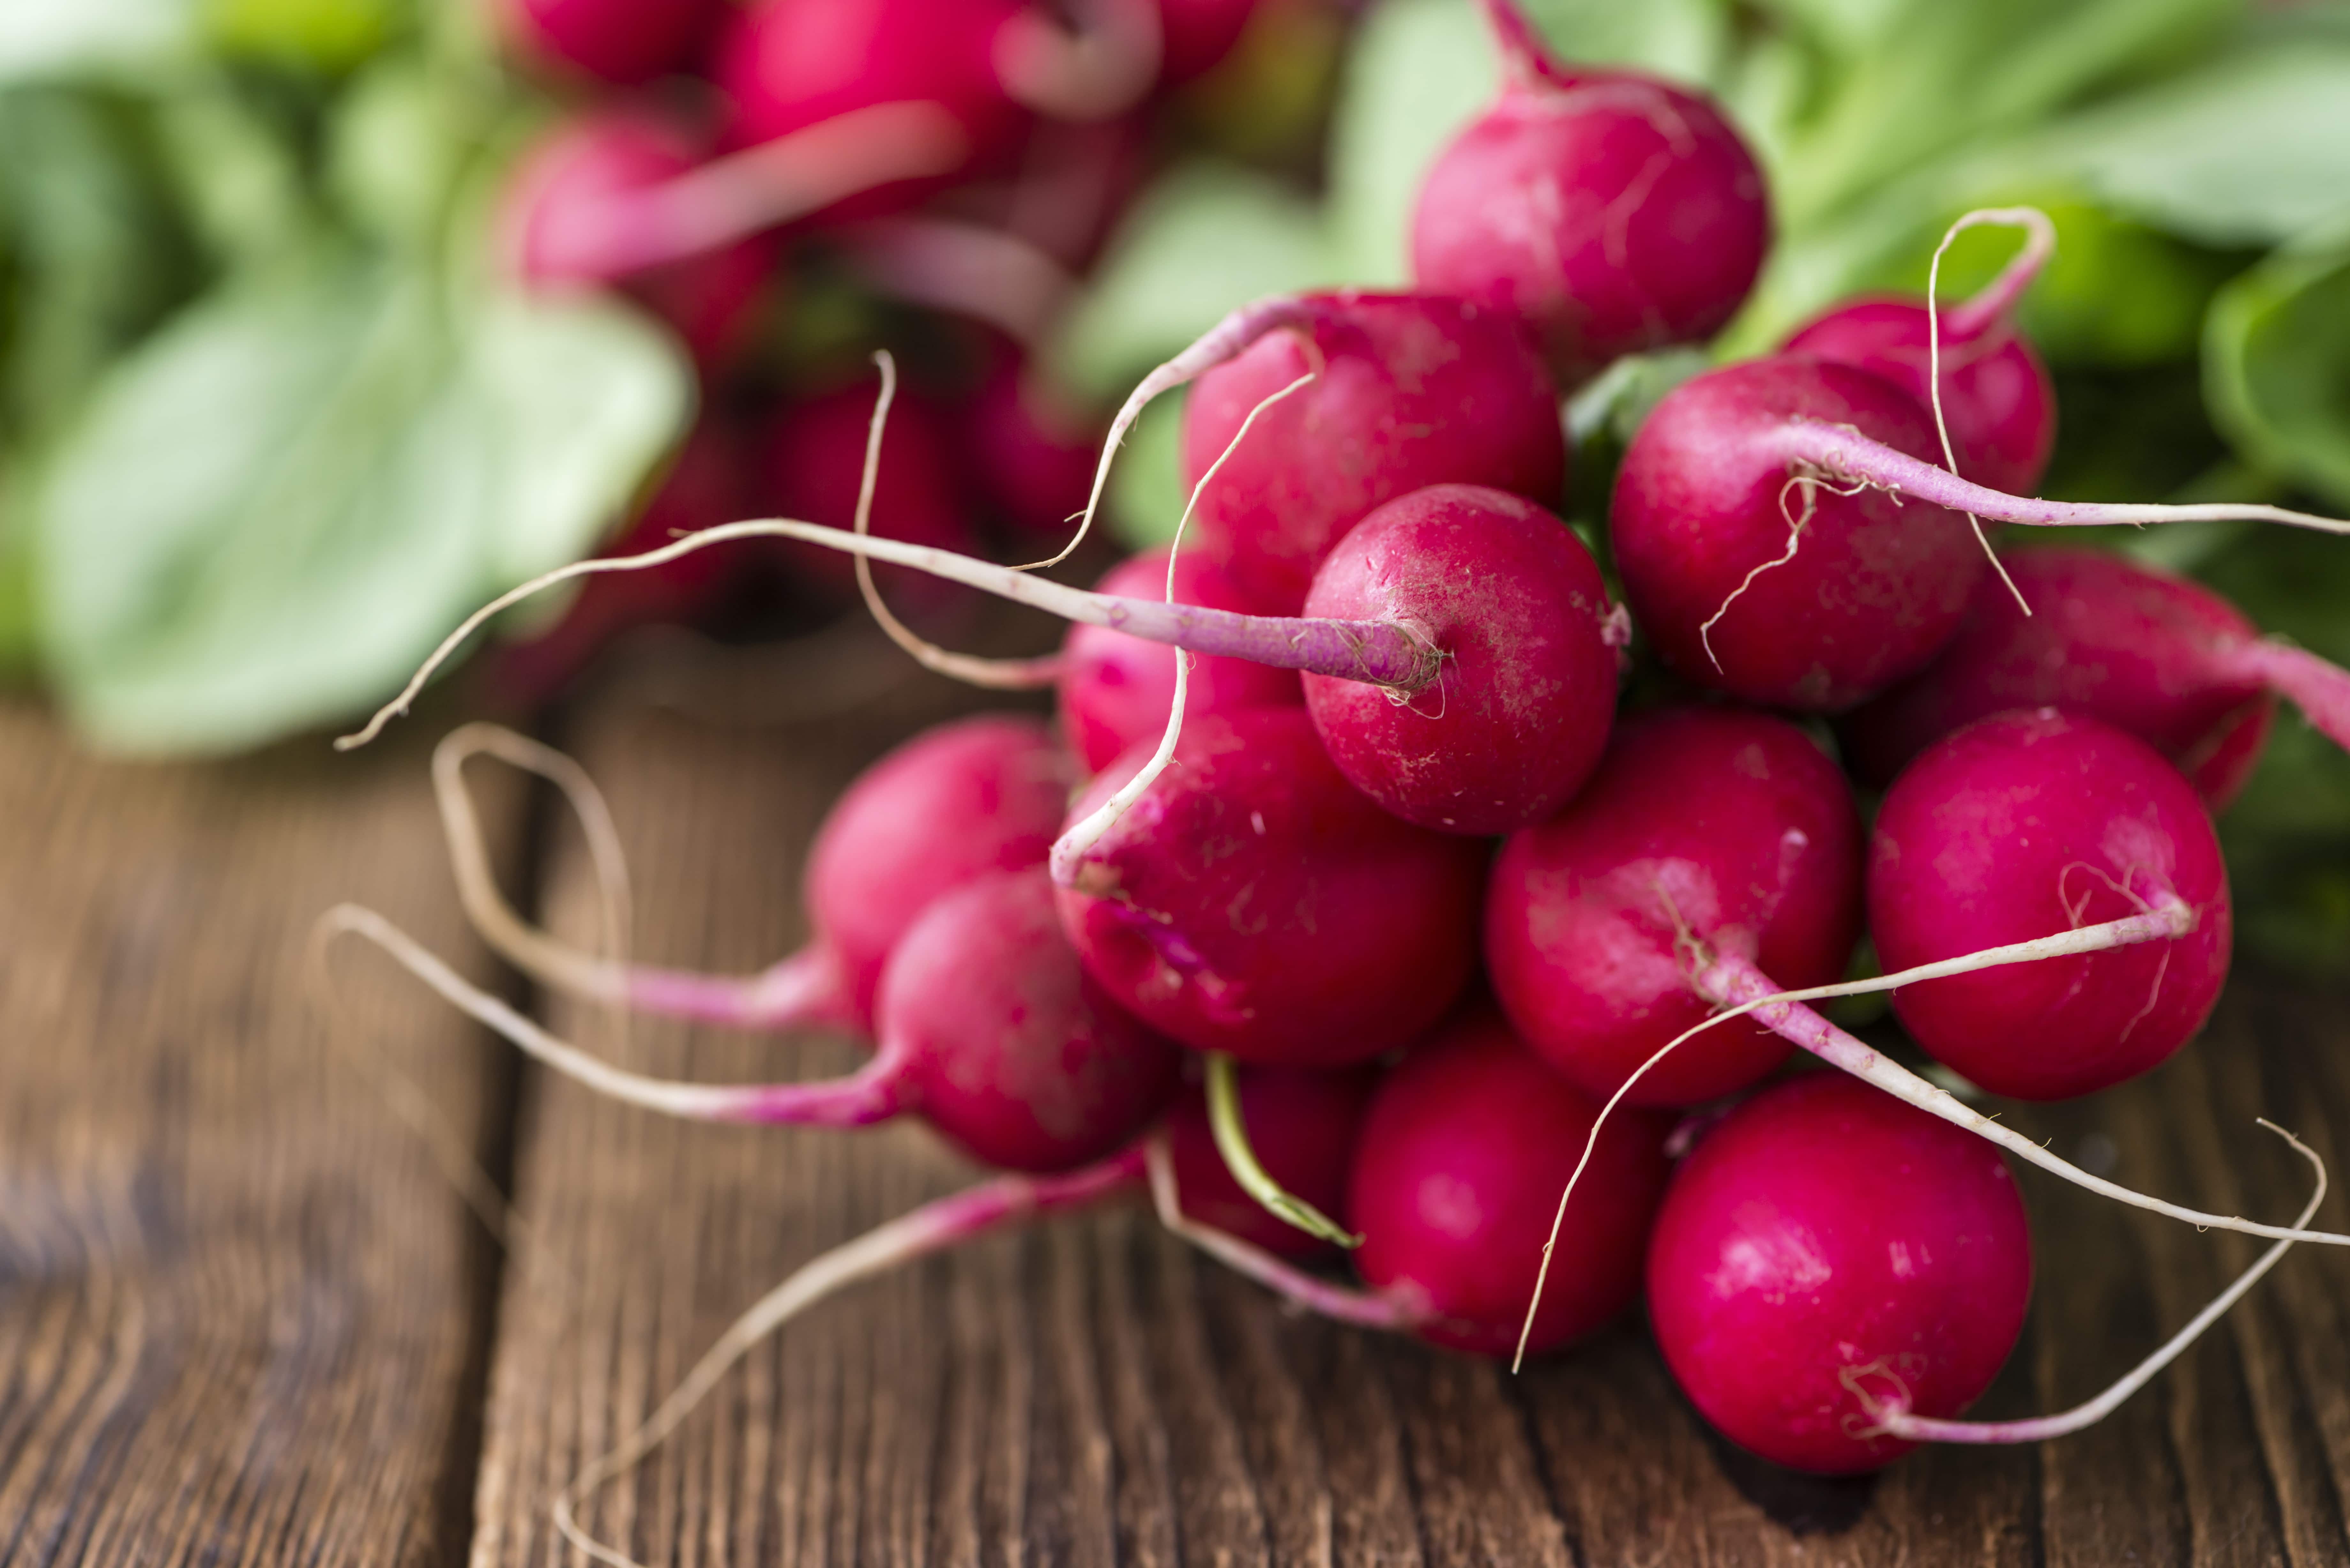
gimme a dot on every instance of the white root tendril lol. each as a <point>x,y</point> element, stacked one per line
<point>1893,1419</point>
<point>2040,242</point>
<point>991,674</point>
<point>1810,485</point>
<point>2171,918</point>
<point>1071,848</point>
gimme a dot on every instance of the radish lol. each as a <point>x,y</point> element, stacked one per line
<point>1026,450</point>
<point>954,804</point>
<point>1784,536</point>
<point>1703,825</point>
<point>1823,1234</point>
<point>1521,703</point>
<point>1999,400</point>
<point>1115,690</point>
<point>1614,211</point>
<point>1195,36</point>
<point>811,466</point>
<point>1462,1144</point>
<point>567,219</point>
<point>986,1027</point>
<point>2164,659</point>
<point>2025,825</point>
<point>1250,902</point>
<point>1307,1124</point>
<point>623,42</point>
<point>1409,390</point>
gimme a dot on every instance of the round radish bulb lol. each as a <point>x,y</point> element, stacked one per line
<point>1116,689</point>
<point>702,488</point>
<point>1410,391</point>
<point>1251,901</point>
<point>2022,826</point>
<point>624,42</point>
<point>1997,398</point>
<point>813,464</point>
<point>1303,1125</point>
<point>1457,1174</point>
<point>1702,824</point>
<point>567,223</point>
<point>1823,1235</point>
<point>1613,211</point>
<point>1752,579</point>
<point>2164,659</point>
<point>1008,1048</point>
<point>1519,711</point>
<point>789,65</point>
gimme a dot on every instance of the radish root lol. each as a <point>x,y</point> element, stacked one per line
<point>1229,1128</point>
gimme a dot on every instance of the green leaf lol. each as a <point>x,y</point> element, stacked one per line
<point>2276,366</point>
<point>1146,486</point>
<point>56,38</point>
<point>1207,238</point>
<point>279,504</point>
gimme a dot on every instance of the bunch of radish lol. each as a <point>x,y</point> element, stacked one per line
<point>740,170</point>
<point>1432,951</point>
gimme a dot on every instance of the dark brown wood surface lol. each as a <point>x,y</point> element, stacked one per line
<point>245,1318</point>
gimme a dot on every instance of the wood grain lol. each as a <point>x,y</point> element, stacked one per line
<point>242,1314</point>
<point>1089,1393</point>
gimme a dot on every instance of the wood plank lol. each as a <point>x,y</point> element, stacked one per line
<point>1090,1393</point>
<point>243,1312</point>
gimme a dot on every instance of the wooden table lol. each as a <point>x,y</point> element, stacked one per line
<point>246,1317</point>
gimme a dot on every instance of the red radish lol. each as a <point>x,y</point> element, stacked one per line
<point>1463,1145</point>
<point>703,486</point>
<point>624,42</point>
<point>1196,34</point>
<point>1823,1245</point>
<point>1115,690</point>
<point>568,220</point>
<point>1250,902</point>
<point>1703,825</point>
<point>811,463</point>
<point>986,1027</point>
<point>1613,211</point>
<point>2164,659</point>
<point>1784,533</point>
<point>1306,1124</point>
<point>954,804</point>
<point>1520,709</point>
<point>1409,390</point>
<point>2029,823</point>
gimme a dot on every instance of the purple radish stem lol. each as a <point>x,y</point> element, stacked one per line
<point>1098,70</point>
<point>1815,451</point>
<point>1342,1303</point>
<point>2040,243</point>
<point>2320,688</point>
<point>1893,1419</point>
<point>1739,987</point>
<point>936,1226</point>
<point>989,274</point>
<point>1382,653</point>
<point>1070,849</point>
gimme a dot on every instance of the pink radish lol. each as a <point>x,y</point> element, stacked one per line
<point>1115,689</point>
<point>1784,536</point>
<point>1823,1239</point>
<point>1027,450</point>
<point>1521,706</point>
<point>2163,658</point>
<point>624,42</point>
<point>1465,1142</point>
<point>2030,824</point>
<point>1614,211</point>
<point>1704,825</point>
<point>1305,1124</point>
<point>568,221</point>
<point>1409,390</point>
<point>1250,902</point>
<point>954,804</point>
<point>986,1027</point>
